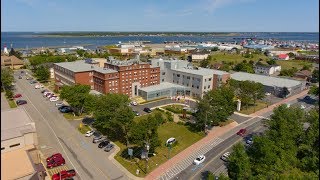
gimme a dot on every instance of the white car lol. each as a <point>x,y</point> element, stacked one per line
<point>38,86</point>
<point>199,160</point>
<point>89,133</point>
<point>302,106</point>
<point>225,156</point>
<point>267,94</point>
<point>134,103</point>
<point>53,99</point>
<point>46,92</point>
<point>59,104</point>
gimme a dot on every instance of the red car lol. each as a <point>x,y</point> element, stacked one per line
<point>58,161</point>
<point>241,132</point>
<point>57,155</point>
<point>64,174</point>
<point>17,96</point>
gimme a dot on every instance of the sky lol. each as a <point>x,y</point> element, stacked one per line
<point>160,15</point>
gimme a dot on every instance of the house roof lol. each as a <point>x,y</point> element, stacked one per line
<point>265,80</point>
<point>283,56</point>
<point>201,71</point>
<point>304,73</point>
<point>81,66</point>
<point>8,60</point>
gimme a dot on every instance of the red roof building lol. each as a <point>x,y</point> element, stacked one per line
<point>283,56</point>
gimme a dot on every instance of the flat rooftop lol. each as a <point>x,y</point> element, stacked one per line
<point>201,71</point>
<point>161,86</point>
<point>82,66</point>
<point>15,123</point>
<point>265,80</point>
<point>17,164</point>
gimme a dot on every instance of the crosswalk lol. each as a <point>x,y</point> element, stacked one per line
<point>176,169</point>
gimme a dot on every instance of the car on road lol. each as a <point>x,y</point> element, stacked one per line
<point>63,106</point>
<point>241,132</point>
<point>38,86</point>
<point>109,147</point>
<point>200,159</point>
<point>50,95</point>
<point>28,78</point>
<point>136,113</point>
<point>45,93</point>
<point>103,144</point>
<point>57,155</point>
<point>58,104</point>
<point>98,139</point>
<point>54,99</point>
<point>58,161</point>
<point>64,174</point>
<point>45,90</point>
<point>21,102</point>
<point>66,110</point>
<point>148,110</point>
<point>17,96</point>
<point>89,133</point>
<point>225,156</point>
<point>32,81</point>
<point>134,103</point>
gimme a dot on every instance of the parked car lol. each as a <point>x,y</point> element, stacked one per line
<point>109,147</point>
<point>66,110</point>
<point>38,86</point>
<point>53,99</point>
<point>136,113</point>
<point>249,140</point>
<point>103,144</point>
<point>171,141</point>
<point>50,95</point>
<point>53,156</point>
<point>17,96</point>
<point>20,77</point>
<point>89,133</point>
<point>63,106</point>
<point>134,103</point>
<point>241,132</point>
<point>32,81</point>
<point>45,90</point>
<point>28,78</point>
<point>148,110</point>
<point>98,139</point>
<point>21,102</point>
<point>225,156</point>
<point>64,174</point>
<point>58,161</point>
<point>199,160</point>
<point>58,104</point>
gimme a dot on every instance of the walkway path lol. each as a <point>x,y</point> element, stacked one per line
<point>4,102</point>
<point>214,133</point>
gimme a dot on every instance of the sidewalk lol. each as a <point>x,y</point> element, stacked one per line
<point>215,132</point>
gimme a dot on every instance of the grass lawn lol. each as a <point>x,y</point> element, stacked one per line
<point>176,108</point>
<point>251,109</point>
<point>84,129</point>
<point>184,138</point>
<point>12,104</point>
<point>236,58</point>
<point>288,64</point>
<point>70,116</point>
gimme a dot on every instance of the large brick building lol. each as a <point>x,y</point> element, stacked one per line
<point>124,77</point>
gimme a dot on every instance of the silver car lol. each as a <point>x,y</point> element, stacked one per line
<point>98,139</point>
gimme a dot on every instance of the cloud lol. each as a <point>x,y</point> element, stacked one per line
<point>212,5</point>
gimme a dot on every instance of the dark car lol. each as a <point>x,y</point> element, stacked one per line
<point>61,107</point>
<point>21,102</point>
<point>109,147</point>
<point>103,144</point>
<point>87,121</point>
<point>241,132</point>
<point>66,110</point>
<point>45,90</point>
<point>136,113</point>
<point>148,110</point>
<point>309,100</point>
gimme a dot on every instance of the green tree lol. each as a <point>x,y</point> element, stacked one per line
<point>6,77</point>
<point>307,67</point>
<point>205,63</point>
<point>239,163</point>
<point>244,67</point>
<point>314,90</point>
<point>215,106</point>
<point>76,96</point>
<point>42,73</point>
<point>291,55</point>
<point>215,49</point>
<point>315,75</point>
<point>271,62</point>
<point>9,93</point>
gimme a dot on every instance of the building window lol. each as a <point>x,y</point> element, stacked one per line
<point>209,87</point>
<point>205,87</point>
<point>197,87</point>
<point>209,79</point>
<point>162,80</point>
<point>178,75</point>
<point>188,77</point>
<point>2,148</point>
<point>164,73</point>
<point>205,80</point>
<point>14,145</point>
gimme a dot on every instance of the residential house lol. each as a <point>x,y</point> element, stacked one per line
<point>12,62</point>
<point>304,74</point>
<point>266,69</point>
<point>283,57</point>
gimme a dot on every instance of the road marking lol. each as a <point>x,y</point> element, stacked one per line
<point>53,133</point>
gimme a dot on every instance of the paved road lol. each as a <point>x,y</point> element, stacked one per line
<point>4,102</point>
<point>55,134</point>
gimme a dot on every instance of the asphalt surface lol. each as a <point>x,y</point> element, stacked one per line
<point>55,134</point>
<point>4,102</point>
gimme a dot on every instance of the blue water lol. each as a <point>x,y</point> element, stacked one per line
<point>30,39</point>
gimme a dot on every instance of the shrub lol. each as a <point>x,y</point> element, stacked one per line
<point>169,116</point>
<point>180,123</point>
<point>9,94</point>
